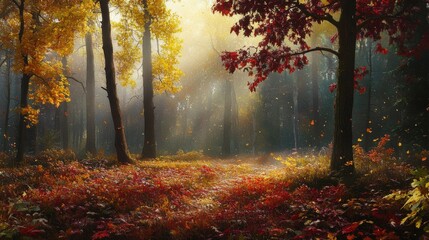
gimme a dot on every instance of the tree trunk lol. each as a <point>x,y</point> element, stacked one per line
<point>227,126</point>
<point>25,82</point>
<point>184,140</point>
<point>367,142</point>
<point>149,144</point>
<point>64,113</point>
<point>120,140</point>
<point>342,155</point>
<point>315,118</point>
<point>208,128</point>
<point>295,113</point>
<point>235,123</point>
<point>253,131</point>
<point>90,96</point>
<point>7,113</point>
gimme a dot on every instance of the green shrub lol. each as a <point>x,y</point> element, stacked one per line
<point>417,201</point>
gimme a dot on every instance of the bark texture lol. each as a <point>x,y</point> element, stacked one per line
<point>342,155</point>
<point>90,96</point>
<point>120,140</point>
<point>149,144</point>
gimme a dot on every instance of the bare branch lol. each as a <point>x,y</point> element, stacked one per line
<point>76,80</point>
<point>16,3</point>
<point>2,62</point>
<point>105,89</point>
<point>321,49</point>
<point>381,17</point>
<point>326,17</point>
<point>212,44</point>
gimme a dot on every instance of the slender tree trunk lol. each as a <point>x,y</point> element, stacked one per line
<point>90,96</point>
<point>149,144</point>
<point>253,131</point>
<point>368,106</point>
<point>120,140</point>
<point>235,123</point>
<point>227,126</point>
<point>315,97</point>
<point>8,93</point>
<point>342,155</point>
<point>184,140</point>
<point>208,114</point>
<point>295,113</point>
<point>64,113</point>
<point>25,82</point>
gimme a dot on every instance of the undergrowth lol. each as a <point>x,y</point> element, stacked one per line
<point>190,196</point>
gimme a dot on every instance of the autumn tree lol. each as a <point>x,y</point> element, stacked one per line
<point>120,140</point>
<point>285,25</point>
<point>33,30</point>
<point>149,20</point>
<point>8,61</point>
<point>90,94</point>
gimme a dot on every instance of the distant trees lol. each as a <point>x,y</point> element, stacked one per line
<point>90,95</point>
<point>292,21</point>
<point>38,29</point>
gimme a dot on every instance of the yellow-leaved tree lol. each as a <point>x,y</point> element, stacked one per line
<point>143,22</point>
<point>40,32</point>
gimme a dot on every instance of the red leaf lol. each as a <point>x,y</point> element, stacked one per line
<point>350,228</point>
<point>332,87</point>
<point>380,49</point>
<point>30,231</point>
<point>100,235</point>
<point>334,38</point>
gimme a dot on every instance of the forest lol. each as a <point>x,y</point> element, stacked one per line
<point>214,119</point>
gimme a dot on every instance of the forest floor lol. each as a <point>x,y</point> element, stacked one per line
<point>190,196</point>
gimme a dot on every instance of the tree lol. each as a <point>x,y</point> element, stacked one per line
<point>284,26</point>
<point>149,20</point>
<point>227,119</point>
<point>8,96</point>
<point>90,95</point>
<point>120,140</point>
<point>149,142</point>
<point>33,30</point>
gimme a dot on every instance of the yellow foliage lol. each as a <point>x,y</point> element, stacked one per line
<point>50,28</point>
<point>164,27</point>
<point>31,115</point>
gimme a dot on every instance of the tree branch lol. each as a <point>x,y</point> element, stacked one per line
<point>2,62</point>
<point>16,3</point>
<point>381,17</point>
<point>213,47</point>
<point>326,17</point>
<point>321,49</point>
<point>76,80</point>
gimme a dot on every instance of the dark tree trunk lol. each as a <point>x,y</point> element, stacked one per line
<point>120,140</point>
<point>253,131</point>
<point>342,156</point>
<point>235,123</point>
<point>25,82</point>
<point>208,128</point>
<point>367,141</point>
<point>90,96</point>
<point>295,113</point>
<point>149,144</point>
<point>7,113</point>
<point>227,126</point>
<point>64,113</point>
<point>184,141</point>
<point>315,118</point>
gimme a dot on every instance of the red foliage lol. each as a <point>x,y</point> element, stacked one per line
<point>279,22</point>
<point>380,49</point>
